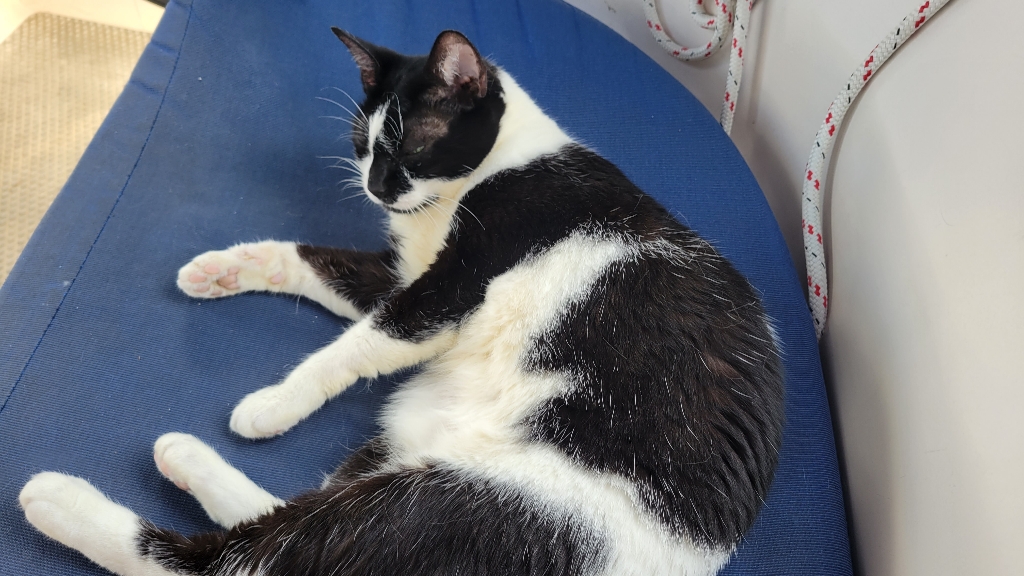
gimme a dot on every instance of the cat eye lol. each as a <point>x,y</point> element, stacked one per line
<point>418,149</point>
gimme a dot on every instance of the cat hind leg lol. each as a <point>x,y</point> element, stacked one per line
<point>227,495</point>
<point>71,511</point>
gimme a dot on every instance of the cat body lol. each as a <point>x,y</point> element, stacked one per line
<point>600,391</point>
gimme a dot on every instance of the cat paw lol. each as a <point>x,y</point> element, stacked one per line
<point>70,510</point>
<point>241,268</point>
<point>54,503</point>
<point>268,412</point>
<point>183,458</point>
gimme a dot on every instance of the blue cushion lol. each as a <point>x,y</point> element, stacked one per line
<point>217,139</point>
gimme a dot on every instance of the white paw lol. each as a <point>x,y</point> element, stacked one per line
<point>73,512</point>
<point>184,459</point>
<point>58,505</point>
<point>241,268</point>
<point>271,411</point>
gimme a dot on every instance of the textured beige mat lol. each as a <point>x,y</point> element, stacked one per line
<point>58,79</point>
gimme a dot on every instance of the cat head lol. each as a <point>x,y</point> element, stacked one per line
<point>426,120</point>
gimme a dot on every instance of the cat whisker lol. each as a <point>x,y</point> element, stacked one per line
<point>348,168</point>
<point>395,127</point>
<point>361,122</point>
<point>463,206</point>
<point>353,196</point>
<point>429,215</point>
<point>354,103</point>
<point>348,161</point>
<point>349,121</point>
<point>401,122</point>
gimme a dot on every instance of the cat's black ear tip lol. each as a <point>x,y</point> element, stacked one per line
<point>349,40</point>
<point>347,37</point>
<point>453,32</point>
<point>452,37</point>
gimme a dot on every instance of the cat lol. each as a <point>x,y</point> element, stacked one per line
<point>600,391</point>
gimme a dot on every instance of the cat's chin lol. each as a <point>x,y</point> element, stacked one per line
<point>402,205</point>
<point>407,211</point>
<point>411,202</point>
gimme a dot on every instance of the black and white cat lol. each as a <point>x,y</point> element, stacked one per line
<point>600,391</point>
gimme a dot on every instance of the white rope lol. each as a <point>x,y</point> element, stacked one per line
<point>814,247</point>
<point>728,17</point>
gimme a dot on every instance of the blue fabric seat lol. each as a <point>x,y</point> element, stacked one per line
<point>219,138</point>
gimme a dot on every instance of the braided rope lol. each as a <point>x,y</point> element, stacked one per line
<point>814,247</point>
<point>727,17</point>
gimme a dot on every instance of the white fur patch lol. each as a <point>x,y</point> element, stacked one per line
<point>373,129</point>
<point>419,195</point>
<point>467,410</point>
<point>74,513</point>
<point>227,495</point>
<point>466,406</point>
<point>375,125</point>
<point>638,544</point>
<point>525,134</point>
<point>421,235</point>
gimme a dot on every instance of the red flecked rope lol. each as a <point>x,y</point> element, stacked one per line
<point>728,17</point>
<point>814,246</point>
<point>727,14</point>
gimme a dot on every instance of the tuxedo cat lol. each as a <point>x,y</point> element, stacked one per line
<point>600,392</point>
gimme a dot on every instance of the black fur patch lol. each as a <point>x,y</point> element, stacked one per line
<point>364,278</point>
<point>419,522</point>
<point>677,387</point>
<point>197,555</point>
<point>681,385</point>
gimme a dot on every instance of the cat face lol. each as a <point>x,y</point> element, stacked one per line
<point>426,120</point>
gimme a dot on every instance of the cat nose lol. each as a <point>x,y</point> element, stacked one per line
<point>376,180</point>
<point>375,184</point>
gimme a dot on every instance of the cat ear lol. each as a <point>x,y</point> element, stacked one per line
<point>455,62</point>
<point>365,56</point>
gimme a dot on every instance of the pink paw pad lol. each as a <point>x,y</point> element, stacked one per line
<point>196,278</point>
<point>277,278</point>
<point>230,281</point>
<point>202,288</point>
<point>211,269</point>
<point>163,470</point>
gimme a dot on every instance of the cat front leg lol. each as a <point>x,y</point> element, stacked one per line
<point>349,283</point>
<point>363,351</point>
<point>227,495</point>
<point>74,513</point>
